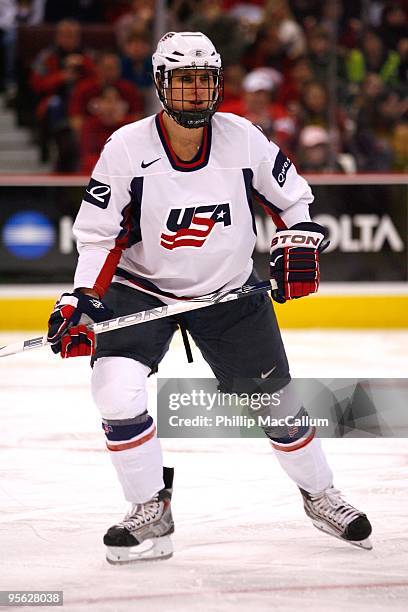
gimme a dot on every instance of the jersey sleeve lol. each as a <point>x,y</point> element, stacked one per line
<point>284,194</point>
<point>109,218</point>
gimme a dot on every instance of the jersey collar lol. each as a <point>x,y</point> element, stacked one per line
<point>203,154</point>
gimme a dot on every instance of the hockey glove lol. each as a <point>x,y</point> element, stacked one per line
<point>294,263</point>
<point>67,325</point>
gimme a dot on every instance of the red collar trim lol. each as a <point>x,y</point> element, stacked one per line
<point>199,161</point>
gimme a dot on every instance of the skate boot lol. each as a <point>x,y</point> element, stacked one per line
<point>144,533</point>
<point>331,514</point>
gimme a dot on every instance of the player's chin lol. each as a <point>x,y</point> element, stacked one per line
<point>195,106</point>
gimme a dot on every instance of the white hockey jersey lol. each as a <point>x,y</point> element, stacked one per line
<point>182,229</point>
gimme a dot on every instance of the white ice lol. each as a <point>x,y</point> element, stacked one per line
<point>242,540</point>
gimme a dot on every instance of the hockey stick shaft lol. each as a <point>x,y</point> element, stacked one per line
<point>149,315</point>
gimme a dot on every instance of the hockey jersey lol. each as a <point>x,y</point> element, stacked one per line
<point>180,229</point>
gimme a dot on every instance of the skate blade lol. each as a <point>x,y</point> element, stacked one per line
<point>365,544</point>
<point>153,549</point>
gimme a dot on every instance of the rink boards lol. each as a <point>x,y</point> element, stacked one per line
<point>366,215</point>
<point>337,305</point>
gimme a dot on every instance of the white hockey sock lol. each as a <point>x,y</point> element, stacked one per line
<point>307,466</point>
<point>119,391</point>
<point>140,470</point>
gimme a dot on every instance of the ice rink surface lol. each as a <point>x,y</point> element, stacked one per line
<point>242,540</point>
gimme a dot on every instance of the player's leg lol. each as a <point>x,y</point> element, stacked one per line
<point>241,341</point>
<point>122,363</point>
<point>242,344</point>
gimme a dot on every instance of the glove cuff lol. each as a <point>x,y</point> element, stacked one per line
<point>310,226</point>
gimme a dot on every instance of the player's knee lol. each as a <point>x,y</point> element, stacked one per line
<point>291,433</point>
<point>119,387</point>
<point>283,418</point>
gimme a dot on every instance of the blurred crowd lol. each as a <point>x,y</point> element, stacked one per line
<point>325,79</point>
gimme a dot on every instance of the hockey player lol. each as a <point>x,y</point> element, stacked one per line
<point>167,215</point>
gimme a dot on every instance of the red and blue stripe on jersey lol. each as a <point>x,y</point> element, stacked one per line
<point>129,234</point>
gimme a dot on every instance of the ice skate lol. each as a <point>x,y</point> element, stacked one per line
<point>144,533</point>
<point>331,514</point>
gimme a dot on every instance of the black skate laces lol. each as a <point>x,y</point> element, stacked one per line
<point>141,514</point>
<point>331,506</point>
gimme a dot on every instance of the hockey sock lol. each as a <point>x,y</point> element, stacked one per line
<point>305,465</point>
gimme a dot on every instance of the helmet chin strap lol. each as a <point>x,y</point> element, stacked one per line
<point>190,119</point>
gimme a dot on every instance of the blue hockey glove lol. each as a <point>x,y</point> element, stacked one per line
<point>67,325</point>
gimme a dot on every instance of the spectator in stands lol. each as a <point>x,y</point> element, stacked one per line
<point>87,92</point>
<point>403,66</point>
<point>394,24</point>
<point>140,17</point>
<point>378,130</point>
<point>221,28</point>
<point>179,13</point>
<point>373,56</point>
<point>320,55</point>
<point>344,20</point>
<point>315,110</point>
<point>258,106</point>
<point>250,17</point>
<point>111,112</point>
<point>313,154</point>
<point>400,146</point>
<point>55,73</point>
<point>315,103</point>
<point>367,93</point>
<point>233,77</point>
<point>306,11</point>
<point>291,35</point>
<point>299,74</point>
<point>115,9</point>
<point>136,60</point>
<point>267,50</point>
<point>30,12</point>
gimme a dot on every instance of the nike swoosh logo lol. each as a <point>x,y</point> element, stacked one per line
<point>150,163</point>
<point>266,374</point>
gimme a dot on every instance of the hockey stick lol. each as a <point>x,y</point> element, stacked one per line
<point>150,315</point>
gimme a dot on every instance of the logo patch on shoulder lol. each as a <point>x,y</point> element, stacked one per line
<point>281,167</point>
<point>97,194</point>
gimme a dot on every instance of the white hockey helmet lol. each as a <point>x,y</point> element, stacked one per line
<point>190,51</point>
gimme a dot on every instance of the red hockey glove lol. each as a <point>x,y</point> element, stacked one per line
<point>294,263</point>
<point>67,325</point>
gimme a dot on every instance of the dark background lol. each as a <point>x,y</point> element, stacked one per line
<point>334,200</point>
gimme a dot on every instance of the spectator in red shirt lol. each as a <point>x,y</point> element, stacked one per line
<point>258,106</point>
<point>56,71</point>
<point>110,113</point>
<point>58,68</point>
<point>86,94</point>
<point>299,74</point>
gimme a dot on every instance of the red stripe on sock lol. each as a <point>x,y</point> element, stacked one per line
<point>127,445</point>
<point>301,444</point>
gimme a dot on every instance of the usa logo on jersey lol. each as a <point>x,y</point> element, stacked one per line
<point>191,226</point>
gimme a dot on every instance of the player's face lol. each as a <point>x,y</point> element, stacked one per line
<point>191,90</point>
